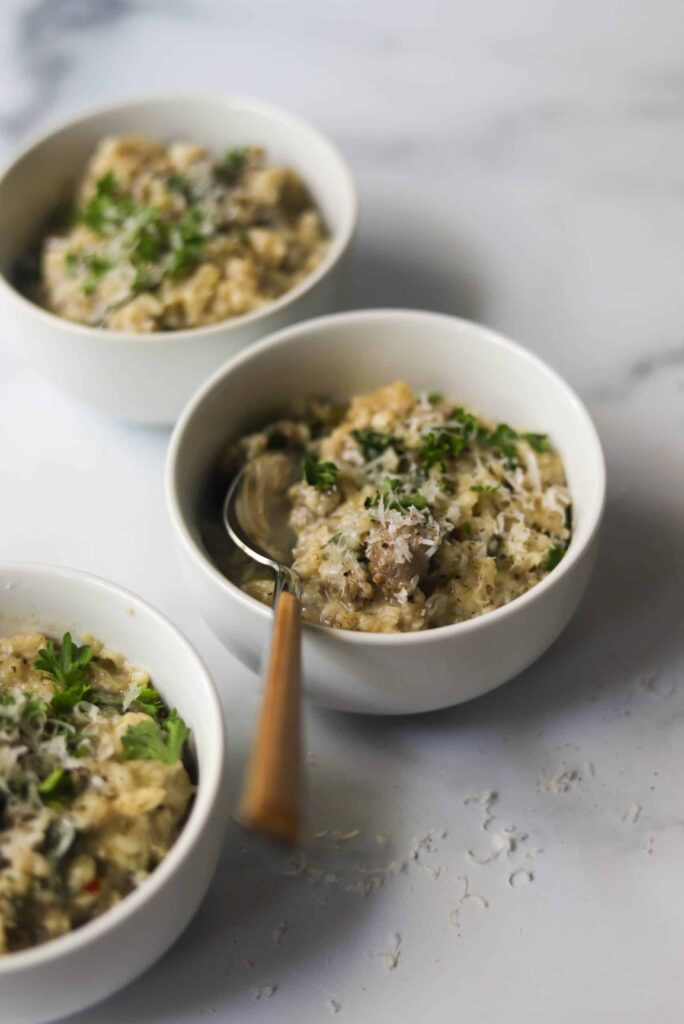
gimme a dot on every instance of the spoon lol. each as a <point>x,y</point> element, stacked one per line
<point>271,794</point>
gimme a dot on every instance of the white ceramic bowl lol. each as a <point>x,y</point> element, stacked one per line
<point>354,352</point>
<point>80,968</point>
<point>147,379</point>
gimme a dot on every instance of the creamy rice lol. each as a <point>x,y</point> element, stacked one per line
<point>164,237</point>
<point>411,512</point>
<point>93,789</point>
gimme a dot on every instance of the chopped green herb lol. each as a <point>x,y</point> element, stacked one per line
<point>230,168</point>
<point>149,701</point>
<point>56,784</point>
<point>179,183</point>
<point>468,423</point>
<point>97,268</point>
<point>503,438</point>
<point>107,210</point>
<point>554,556</point>
<point>319,474</point>
<point>372,443</point>
<point>151,236</point>
<point>485,488</point>
<point>540,442</point>
<point>467,528</point>
<point>392,497</point>
<point>435,397</point>
<point>438,446</point>
<point>69,669</point>
<point>152,741</point>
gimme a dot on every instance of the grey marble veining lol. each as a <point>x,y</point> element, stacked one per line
<point>520,162</point>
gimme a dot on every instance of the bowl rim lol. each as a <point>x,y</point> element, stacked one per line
<point>339,241</point>
<point>208,792</point>
<point>574,554</point>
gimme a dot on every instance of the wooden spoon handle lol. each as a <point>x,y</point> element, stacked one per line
<point>271,794</point>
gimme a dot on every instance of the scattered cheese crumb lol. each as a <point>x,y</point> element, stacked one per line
<point>564,780</point>
<point>520,878</point>
<point>468,895</point>
<point>265,991</point>
<point>632,813</point>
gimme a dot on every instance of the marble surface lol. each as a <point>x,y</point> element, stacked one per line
<point>519,163</point>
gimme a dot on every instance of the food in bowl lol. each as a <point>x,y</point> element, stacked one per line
<point>409,511</point>
<point>94,784</point>
<point>163,237</point>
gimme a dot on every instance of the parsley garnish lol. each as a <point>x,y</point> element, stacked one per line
<point>106,211</point>
<point>438,446</point>
<point>58,783</point>
<point>540,442</point>
<point>178,183</point>
<point>503,438</point>
<point>485,488</point>
<point>435,397</point>
<point>319,474</point>
<point>151,741</point>
<point>553,556</point>
<point>372,443</point>
<point>149,701</point>
<point>230,168</point>
<point>69,669</point>
<point>467,422</point>
<point>96,265</point>
<point>392,497</point>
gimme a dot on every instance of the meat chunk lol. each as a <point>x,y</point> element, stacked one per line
<point>398,557</point>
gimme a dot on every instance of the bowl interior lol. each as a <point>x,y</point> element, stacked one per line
<point>351,353</point>
<point>44,175</point>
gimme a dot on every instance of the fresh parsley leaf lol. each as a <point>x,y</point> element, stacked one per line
<point>106,210</point>
<point>540,442</point>
<point>438,446</point>
<point>554,556</point>
<point>467,422</point>
<point>319,474</point>
<point>372,443</point>
<point>435,397</point>
<point>503,438</point>
<point>154,741</point>
<point>69,669</point>
<point>151,237</point>
<point>179,183</point>
<point>55,785</point>
<point>97,268</point>
<point>230,168</point>
<point>149,701</point>
<point>392,497</point>
<point>485,488</point>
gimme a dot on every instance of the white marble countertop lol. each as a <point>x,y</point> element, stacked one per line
<point>519,163</point>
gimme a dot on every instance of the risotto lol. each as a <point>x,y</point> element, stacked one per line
<point>408,512</point>
<point>93,788</point>
<point>163,237</point>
